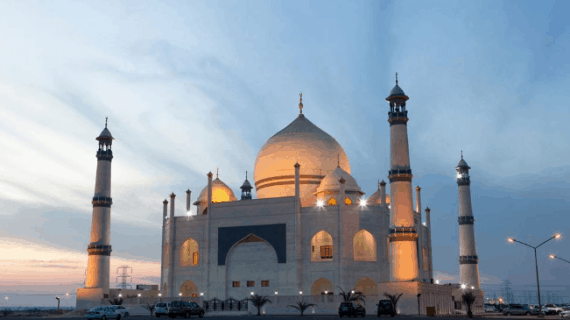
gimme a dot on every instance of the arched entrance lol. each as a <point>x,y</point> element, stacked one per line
<point>367,286</point>
<point>251,266</point>
<point>364,246</point>
<point>320,286</point>
<point>188,289</point>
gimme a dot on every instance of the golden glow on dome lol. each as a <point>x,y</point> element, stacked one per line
<point>301,142</point>
<point>220,193</point>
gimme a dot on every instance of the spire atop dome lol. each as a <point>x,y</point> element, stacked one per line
<point>300,103</point>
<point>338,160</point>
<point>106,118</point>
<point>396,78</point>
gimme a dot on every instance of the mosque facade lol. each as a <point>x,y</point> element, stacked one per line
<point>309,230</point>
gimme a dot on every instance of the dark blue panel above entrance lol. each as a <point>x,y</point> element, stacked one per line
<point>274,234</point>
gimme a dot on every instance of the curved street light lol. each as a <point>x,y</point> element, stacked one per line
<point>552,257</point>
<point>513,240</point>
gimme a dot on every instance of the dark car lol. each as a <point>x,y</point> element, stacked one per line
<point>385,307</point>
<point>185,309</point>
<point>523,310</point>
<point>351,309</point>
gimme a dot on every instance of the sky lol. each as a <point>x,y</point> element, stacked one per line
<point>193,86</point>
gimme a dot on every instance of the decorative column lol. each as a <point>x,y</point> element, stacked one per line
<point>339,237</point>
<point>173,292</point>
<point>188,194</point>
<point>99,249</point>
<point>162,247</point>
<point>208,221</point>
<point>298,229</point>
<point>383,192</point>
<point>428,224</point>
<point>468,259</point>
<point>418,201</point>
<point>403,234</point>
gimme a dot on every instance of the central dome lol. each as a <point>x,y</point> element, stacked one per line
<point>300,142</point>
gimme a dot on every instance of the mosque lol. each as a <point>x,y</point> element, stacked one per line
<point>311,230</point>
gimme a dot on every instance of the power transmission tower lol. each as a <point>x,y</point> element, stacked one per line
<point>125,279</point>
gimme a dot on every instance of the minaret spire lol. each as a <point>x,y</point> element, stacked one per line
<point>106,118</point>
<point>99,248</point>
<point>300,103</point>
<point>404,264</point>
<point>468,259</point>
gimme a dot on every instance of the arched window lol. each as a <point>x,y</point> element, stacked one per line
<point>189,253</point>
<point>188,289</point>
<point>331,202</point>
<point>347,201</point>
<point>364,246</point>
<point>205,211</point>
<point>322,247</point>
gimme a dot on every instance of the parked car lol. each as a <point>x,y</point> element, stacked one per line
<point>124,312</point>
<point>102,312</point>
<point>565,313</point>
<point>490,308</point>
<point>519,310</point>
<point>385,307</point>
<point>161,309</point>
<point>552,309</point>
<point>351,309</point>
<point>185,309</point>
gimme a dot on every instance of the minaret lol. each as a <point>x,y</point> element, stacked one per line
<point>99,249</point>
<point>468,260</point>
<point>246,189</point>
<point>403,233</point>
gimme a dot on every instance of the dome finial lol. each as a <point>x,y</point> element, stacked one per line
<point>217,171</point>
<point>106,121</point>
<point>246,175</point>
<point>300,103</point>
<point>396,78</point>
<point>461,154</point>
<point>338,160</point>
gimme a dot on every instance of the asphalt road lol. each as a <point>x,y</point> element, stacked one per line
<point>310,317</point>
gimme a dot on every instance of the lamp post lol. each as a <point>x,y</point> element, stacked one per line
<point>512,240</point>
<point>552,257</point>
<point>58,300</point>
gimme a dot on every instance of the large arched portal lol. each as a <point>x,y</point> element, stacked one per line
<point>252,267</point>
<point>189,253</point>
<point>322,285</point>
<point>188,289</point>
<point>364,246</point>
<point>367,286</point>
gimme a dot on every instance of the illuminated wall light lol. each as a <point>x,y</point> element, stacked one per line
<point>160,294</point>
<point>436,281</point>
<point>320,203</point>
<point>251,293</point>
<point>180,294</point>
<point>363,202</point>
<point>276,292</point>
<point>463,286</point>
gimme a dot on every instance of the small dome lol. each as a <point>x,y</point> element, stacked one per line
<point>220,193</point>
<point>105,134</point>
<point>331,182</point>
<point>376,198</point>
<point>246,184</point>
<point>463,164</point>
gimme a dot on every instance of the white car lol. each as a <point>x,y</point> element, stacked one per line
<point>161,309</point>
<point>565,313</point>
<point>124,312</point>
<point>102,312</point>
<point>490,309</point>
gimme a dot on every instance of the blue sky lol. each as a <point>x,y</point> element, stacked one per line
<point>192,86</point>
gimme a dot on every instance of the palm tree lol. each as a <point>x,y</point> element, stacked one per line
<point>469,299</point>
<point>302,306</point>
<point>149,307</point>
<point>116,301</point>
<point>352,296</point>
<point>394,298</point>
<point>258,302</point>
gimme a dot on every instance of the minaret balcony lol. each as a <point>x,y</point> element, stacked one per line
<point>400,175</point>
<point>403,234</point>
<point>466,220</point>
<point>468,259</point>
<point>105,154</point>
<point>102,202</point>
<point>99,249</point>
<point>398,117</point>
<point>463,181</point>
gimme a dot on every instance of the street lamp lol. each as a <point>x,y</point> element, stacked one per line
<point>552,257</point>
<point>513,240</point>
